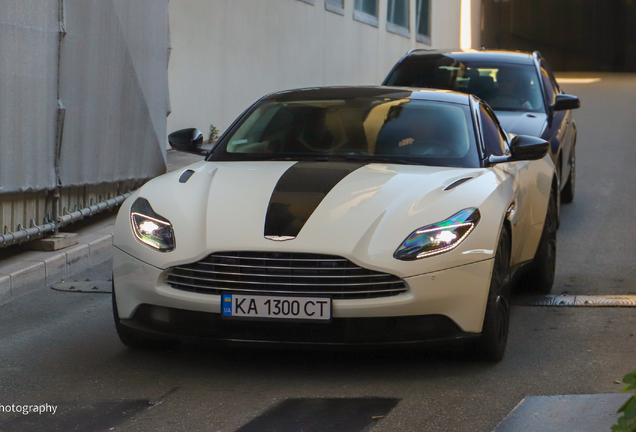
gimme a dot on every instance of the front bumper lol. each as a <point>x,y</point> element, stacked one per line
<point>179,323</point>
<point>444,304</point>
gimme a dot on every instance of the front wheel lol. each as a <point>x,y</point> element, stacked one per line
<point>492,343</point>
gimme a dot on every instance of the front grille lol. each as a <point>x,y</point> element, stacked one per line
<point>283,274</point>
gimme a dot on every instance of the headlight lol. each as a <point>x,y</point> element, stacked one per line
<point>440,237</point>
<point>150,228</point>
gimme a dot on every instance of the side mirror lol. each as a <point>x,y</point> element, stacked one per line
<point>187,140</point>
<point>523,147</point>
<point>564,102</point>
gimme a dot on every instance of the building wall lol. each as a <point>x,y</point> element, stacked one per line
<point>228,53</point>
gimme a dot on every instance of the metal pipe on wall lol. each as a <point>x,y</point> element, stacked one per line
<point>26,233</point>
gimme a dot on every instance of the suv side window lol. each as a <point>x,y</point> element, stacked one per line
<point>549,82</point>
<point>494,139</point>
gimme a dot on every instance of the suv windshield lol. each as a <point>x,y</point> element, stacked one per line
<point>369,129</point>
<point>504,86</point>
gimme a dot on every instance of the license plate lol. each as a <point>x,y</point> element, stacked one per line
<point>254,306</point>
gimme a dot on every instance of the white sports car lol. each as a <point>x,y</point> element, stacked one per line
<point>351,215</point>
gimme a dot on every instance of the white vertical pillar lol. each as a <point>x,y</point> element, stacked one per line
<point>465,35</point>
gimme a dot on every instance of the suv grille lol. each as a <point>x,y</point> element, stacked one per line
<point>283,273</point>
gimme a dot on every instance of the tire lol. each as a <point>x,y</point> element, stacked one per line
<point>492,343</point>
<point>139,340</point>
<point>540,274</point>
<point>567,194</point>
<point>559,169</point>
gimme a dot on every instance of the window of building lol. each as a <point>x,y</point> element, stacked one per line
<point>397,17</point>
<point>311,2</point>
<point>366,11</point>
<point>336,6</point>
<point>423,21</point>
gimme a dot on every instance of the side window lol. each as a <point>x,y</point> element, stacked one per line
<point>494,139</point>
<point>549,82</point>
<point>551,76</point>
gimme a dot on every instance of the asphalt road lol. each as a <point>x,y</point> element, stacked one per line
<point>61,348</point>
<point>596,245</point>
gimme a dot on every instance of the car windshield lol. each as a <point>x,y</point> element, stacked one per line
<point>390,130</point>
<point>504,86</point>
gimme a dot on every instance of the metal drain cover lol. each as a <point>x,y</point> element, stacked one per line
<point>95,287</point>
<point>578,300</point>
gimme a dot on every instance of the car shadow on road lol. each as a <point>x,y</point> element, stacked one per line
<point>205,359</point>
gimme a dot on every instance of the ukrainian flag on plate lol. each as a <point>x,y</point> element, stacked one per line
<point>226,304</point>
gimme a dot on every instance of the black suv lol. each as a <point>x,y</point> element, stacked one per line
<point>518,86</point>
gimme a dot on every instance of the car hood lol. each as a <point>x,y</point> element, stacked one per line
<point>364,217</point>
<point>521,123</point>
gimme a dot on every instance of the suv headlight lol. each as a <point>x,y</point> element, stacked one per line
<point>440,237</point>
<point>150,228</point>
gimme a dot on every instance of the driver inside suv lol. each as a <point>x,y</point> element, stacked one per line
<point>512,90</point>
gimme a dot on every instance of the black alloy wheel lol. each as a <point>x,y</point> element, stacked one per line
<point>139,340</point>
<point>559,172</point>
<point>567,194</point>
<point>492,343</point>
<point>540,274</point>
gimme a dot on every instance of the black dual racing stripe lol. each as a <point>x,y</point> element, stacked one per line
<point>299,191</point>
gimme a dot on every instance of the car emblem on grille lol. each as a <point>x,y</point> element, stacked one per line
<point>279,238</point>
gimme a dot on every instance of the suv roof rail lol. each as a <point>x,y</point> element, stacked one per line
<point>420,49</point>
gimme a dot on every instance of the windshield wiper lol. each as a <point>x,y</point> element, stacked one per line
<point>302,158</point>
<point>380,159</point>
<point>363,157</point>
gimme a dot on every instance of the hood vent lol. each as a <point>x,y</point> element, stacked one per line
<point>456,183</point>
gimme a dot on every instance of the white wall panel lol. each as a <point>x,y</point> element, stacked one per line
<point>28,94</point>
<point>113,83</point>
<point>228,53</point>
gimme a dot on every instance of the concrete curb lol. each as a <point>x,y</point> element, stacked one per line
<point>31,271</point>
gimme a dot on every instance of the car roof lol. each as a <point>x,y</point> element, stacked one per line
<point>354,92</point>
<point>495,56</point>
